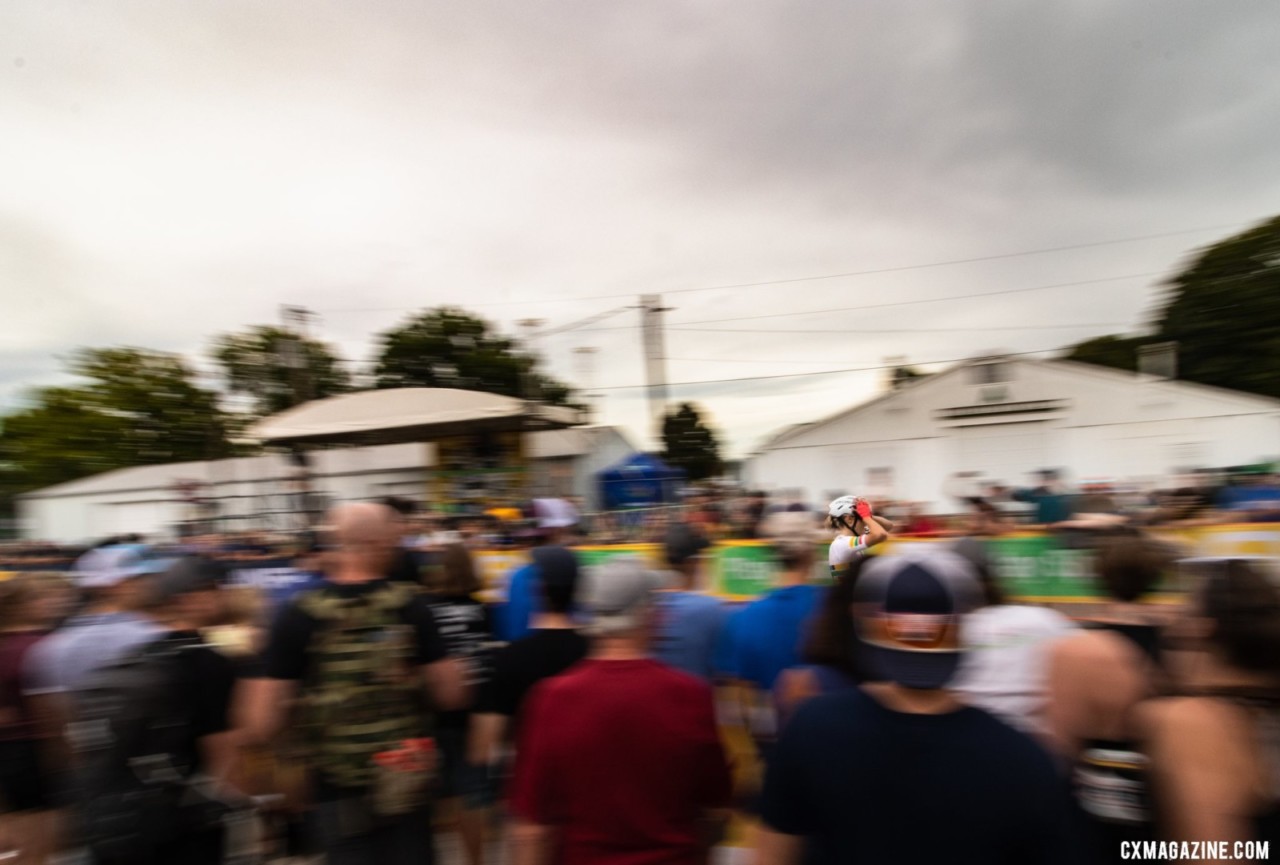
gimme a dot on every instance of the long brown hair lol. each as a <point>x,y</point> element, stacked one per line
<point>17,595</point>
<point>456,574</point>
<point>1245,609</point>
<point>831,633</point>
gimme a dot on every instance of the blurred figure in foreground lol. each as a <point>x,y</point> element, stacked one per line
<point>151,731</point>
<point>556,519</point>
<point>553,646</point>
<point>360,654</point>
<point>468,632</point>
<point>1005,669</point>
<point>690,622</point>
<point>763,639</point>
<point>1096,679</point>
<point>900,770</point>
<point>620,760</point>
<point>110,625</point>
<point>833,656</point>
<point>1215,752</point>
<point>30,740</point>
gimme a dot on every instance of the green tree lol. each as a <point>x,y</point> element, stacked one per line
<point>137,407</point>
<point>688,443</point>
<point>447,347</point>
<point>1120,352</point>
<point>1223,310</point>
<point>279,368</point>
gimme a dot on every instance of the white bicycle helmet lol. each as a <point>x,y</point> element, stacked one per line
<point>845,506</point>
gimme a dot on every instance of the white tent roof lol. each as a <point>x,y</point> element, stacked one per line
<point>407,414</point>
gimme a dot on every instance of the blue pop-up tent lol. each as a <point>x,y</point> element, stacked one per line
<point>639,481</point>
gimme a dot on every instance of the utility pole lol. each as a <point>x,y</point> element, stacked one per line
<point>529,385</point>
<point>586,370</point>
<point>655,361</point>
<point>291,350</point>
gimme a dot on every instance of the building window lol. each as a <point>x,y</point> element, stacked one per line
<point>990,372</point>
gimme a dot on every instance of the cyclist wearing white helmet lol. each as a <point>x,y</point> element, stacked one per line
<point>859,530</point>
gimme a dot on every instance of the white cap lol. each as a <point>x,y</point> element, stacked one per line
<point>109,566</point>
<point>555,513</point>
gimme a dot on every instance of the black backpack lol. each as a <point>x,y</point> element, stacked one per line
<point>133,738</point>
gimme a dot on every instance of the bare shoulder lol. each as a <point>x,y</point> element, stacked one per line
<point>1190,722</point>
<point>1102,647</point>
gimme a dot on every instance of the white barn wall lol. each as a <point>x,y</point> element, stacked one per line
<point>143,500</point>
<point>1103,424</point>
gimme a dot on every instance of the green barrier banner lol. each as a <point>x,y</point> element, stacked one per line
<point>1029,566</point>
<point>1036,566</point>
<point>743,569</point>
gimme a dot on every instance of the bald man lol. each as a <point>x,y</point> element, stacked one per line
<point>357,653</point>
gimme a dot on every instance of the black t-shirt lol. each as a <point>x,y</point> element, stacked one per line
<point>870,785</point>
<point>207,680</point>
<point>286,655</point>
<point>526,662</point>
<point>467,630</point>
<point>406,567</point>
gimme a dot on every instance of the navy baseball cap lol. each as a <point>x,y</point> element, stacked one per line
<point>557,566</point>
<point>908,609</point>
<point>683,542</point>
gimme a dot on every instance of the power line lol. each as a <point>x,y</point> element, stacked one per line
<point>897,269</point>
<point>824,372</point>
<point>737,360</point>
<point>591,319</point>
<point>952,261</point>
<point>927,300</point>
<point>907,329</point>
<point>896,303</point>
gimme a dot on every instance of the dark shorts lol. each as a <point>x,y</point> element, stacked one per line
<point>459,778</point>
<point>350,835</point>
<point>25,784</point>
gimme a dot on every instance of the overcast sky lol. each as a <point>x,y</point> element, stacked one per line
<point>172,170</point>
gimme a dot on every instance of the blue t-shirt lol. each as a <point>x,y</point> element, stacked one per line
<point>523,596</point>
<point>867,784</point>
<point>764,637</point>
<point>689,628</point>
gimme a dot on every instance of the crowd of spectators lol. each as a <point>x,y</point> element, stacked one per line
<point>733,513</point>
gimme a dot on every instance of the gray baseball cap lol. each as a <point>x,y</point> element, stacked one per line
<point>617,590</point>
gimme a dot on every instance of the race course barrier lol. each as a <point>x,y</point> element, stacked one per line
<point>1031,566</point>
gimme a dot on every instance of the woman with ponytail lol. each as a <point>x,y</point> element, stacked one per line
<point>1215,751</point>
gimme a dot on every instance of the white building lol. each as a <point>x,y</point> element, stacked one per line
<point>1001,419</point>
<point>263,491</point>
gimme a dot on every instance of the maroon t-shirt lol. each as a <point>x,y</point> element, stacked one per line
<point>621,759</point>
<point>16,723</point>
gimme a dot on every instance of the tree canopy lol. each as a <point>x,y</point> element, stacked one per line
<point>689,444</point>
<point>447,347</point>
<point>137,407</point>
<point>278,368</point>
<point>1223,310</point>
